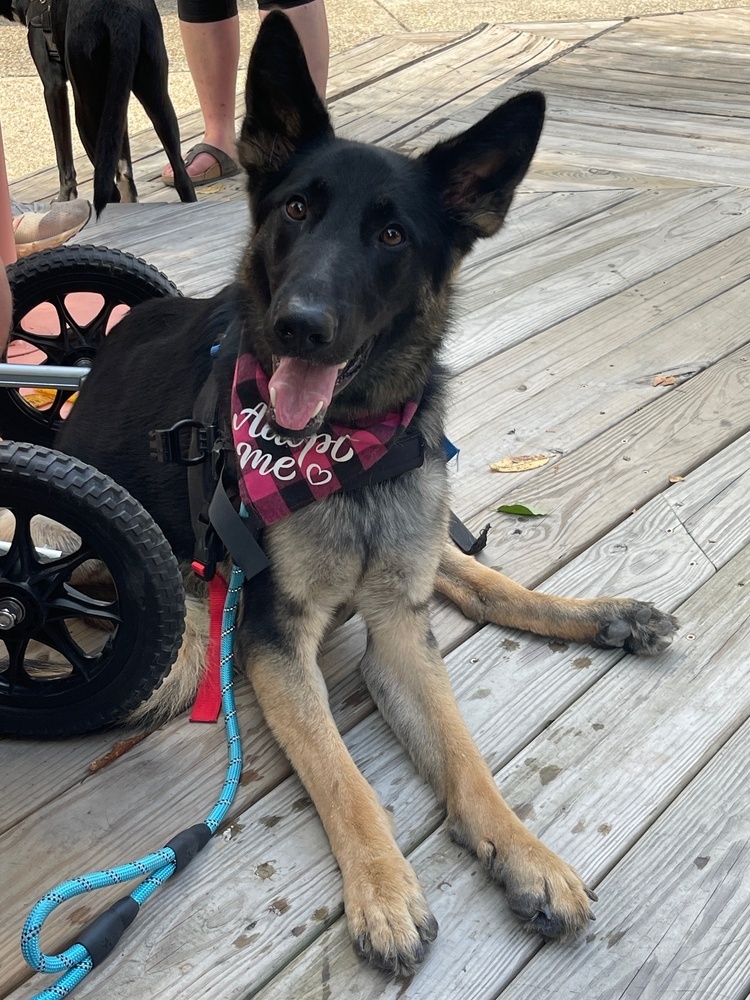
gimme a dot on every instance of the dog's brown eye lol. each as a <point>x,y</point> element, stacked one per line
<point>392,236</point>
<point>296,209</point>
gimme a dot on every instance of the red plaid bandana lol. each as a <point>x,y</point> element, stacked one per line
<point>276,477</point>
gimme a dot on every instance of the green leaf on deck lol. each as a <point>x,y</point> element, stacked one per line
<point>523,509</point>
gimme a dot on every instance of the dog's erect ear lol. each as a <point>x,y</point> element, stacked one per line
<point>478,170</point>
<point>284,110</point>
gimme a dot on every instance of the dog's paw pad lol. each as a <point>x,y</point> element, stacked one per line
<point>636,627</point>
<point>391,928</point>
<point>551,899</point>
<point>545,893</point>
<point>399,959</point>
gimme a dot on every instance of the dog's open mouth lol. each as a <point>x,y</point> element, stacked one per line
<point>300,392</point>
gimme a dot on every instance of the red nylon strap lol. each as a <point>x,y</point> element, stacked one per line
<point>208,700</point>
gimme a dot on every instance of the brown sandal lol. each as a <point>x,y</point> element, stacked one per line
<point>225,166</point>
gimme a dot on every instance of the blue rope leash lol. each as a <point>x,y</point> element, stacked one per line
<point>102,934</point>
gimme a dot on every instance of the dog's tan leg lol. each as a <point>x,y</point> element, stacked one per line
<point>485,595</point>
<point>407,678</point>
<point>388,916</point>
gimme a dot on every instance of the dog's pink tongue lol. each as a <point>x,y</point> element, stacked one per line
<point>300,387</point>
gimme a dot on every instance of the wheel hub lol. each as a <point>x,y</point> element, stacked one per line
<point>22,610</point>
<point>12,613</point>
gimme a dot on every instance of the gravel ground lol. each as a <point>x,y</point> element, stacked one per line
<point>26,131</point>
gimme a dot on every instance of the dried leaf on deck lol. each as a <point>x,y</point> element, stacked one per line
<point>522,509</point>
<point>664,380</point>
<point>677,479</point>
<point>520,463</point>
<point>119,748</point>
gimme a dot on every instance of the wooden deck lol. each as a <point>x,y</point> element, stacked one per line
<point>625,257</point>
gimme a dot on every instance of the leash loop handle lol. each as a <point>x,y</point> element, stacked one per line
<point>100,937</point>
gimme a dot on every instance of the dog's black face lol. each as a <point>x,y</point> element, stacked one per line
<point>349,266</point>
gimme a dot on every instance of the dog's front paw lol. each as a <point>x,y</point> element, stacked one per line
<point>388,916</point>
<point>546,894</point>
<point>635,626</point>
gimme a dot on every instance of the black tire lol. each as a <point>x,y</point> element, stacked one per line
<point>48,276</point>
<point>140,620</point>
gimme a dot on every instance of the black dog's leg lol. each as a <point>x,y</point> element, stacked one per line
<point>55,83</point>
<point>125,182</point>
<point>150,87</point>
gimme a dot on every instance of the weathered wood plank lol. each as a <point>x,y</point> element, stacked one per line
<point>621,87</point>
<point>493,677</point>
<point>725,28</point>
<point>583,264</point>
<point>633,121</point>
<point>698,160</point>
<point>492,392</point>
<point>669,929</point>
<point>553,409</point>
<point>636,44</point>
<point>197,246</point>
<point>613,53</point>
<point>568,31</point>
<point>590,784</point>
<point>711,503</point>
<point>35,773</point>
<point>599,484</point>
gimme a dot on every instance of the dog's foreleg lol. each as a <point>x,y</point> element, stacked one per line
<point>407,678</point>
<point>388,917</point>
<point>484,595</point>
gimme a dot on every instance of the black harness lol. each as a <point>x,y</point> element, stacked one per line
<point>42,21</point>
<point>217,525</point>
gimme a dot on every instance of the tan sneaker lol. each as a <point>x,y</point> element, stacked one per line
<point>53,225</point>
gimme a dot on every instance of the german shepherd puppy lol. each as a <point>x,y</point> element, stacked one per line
<point>343,297</point>
<point>106,48</point>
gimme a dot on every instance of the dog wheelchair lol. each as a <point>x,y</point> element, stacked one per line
<point>91,596</point>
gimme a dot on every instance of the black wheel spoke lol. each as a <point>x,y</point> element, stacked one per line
<point>52,574</point>
<point>20,560</point>
<point>78,605</point>
<point>56,635</point>
<point>52,415</point>
<point>96,330</point>
<point>16,672</point>
<point>69,328</point>
<point>53,346</point>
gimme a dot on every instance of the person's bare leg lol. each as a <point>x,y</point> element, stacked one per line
<point>7,253</point>
<point>7,241</point>
<point>212,49</point>
<point>311,24</point>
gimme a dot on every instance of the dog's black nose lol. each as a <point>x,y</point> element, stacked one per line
<point>302,325</point>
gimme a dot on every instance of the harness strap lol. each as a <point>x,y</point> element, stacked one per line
<point>204,470</point>
<point>207,703</point>
<point>44,21</point>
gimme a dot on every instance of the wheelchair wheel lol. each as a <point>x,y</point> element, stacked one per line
<point>91,597</point>
<point>55,326</point>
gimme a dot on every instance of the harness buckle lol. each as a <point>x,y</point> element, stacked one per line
<point>167,445</point>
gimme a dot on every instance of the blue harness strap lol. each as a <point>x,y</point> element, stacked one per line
<point>100,937</point>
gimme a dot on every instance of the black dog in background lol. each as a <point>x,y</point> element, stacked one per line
<point>106,48</point>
